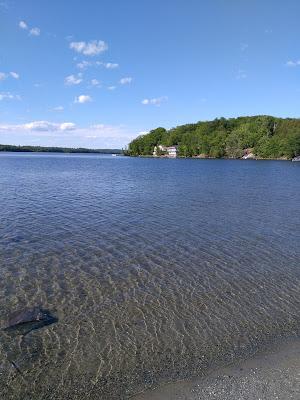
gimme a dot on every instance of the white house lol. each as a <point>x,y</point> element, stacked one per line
<point>170,152</point>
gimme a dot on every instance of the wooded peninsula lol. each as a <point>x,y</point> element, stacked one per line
<point>259,136</point>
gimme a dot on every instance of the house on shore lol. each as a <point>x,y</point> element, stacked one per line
<point>165,151</point>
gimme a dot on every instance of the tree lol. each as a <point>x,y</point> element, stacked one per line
<point>234,146</point>
<point>269,137</point>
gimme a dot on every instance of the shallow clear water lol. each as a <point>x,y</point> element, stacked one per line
<point>156,269</point>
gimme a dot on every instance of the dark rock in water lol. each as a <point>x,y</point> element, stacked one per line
<point>27,320</point>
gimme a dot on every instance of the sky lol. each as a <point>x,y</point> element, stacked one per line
<point>97,73</point>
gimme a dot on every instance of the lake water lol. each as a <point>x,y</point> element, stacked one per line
<point>156,269</point>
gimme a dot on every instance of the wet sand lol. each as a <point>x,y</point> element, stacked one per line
<point>273,374</point>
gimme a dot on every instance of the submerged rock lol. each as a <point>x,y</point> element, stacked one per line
<point>24,321</point>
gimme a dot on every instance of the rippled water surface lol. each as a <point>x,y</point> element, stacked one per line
<point>155,269</point>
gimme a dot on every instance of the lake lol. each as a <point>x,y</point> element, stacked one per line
<point>156,269</point>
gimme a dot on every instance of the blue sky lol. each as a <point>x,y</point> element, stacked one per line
<point>97,73</point>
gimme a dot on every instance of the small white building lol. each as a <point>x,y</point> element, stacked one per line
<point>170,152</point>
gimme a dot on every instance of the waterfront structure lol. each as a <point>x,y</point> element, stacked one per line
<point>166,151</point>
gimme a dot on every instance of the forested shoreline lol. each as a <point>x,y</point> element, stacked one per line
<point>40,149</point>
<point>263,136</point>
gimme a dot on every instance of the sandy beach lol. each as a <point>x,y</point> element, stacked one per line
<point>273,374</point>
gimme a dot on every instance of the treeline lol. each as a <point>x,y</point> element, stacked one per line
<point>33,149</point>
<point>264,136</point>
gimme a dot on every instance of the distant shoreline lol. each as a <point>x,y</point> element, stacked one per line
<point>42,149</point>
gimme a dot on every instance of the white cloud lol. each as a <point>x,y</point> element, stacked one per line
<point>35,32</point>
<point>97,126</point>
<point>84,64</point>
<point>9,96</point>
<point>91,48</point>
<point>110,65</point>
<point>95,82</point>
<point>244,46</point>
<point>67,126</point>
<point>292,63</point>
<point>14,75</point>
<point>4,75</point>
<point>39,126</point>
<point>83,98</point>
<point>32,31</point>
<point>112,87</point>
<point>73,80</point>
<point>58,108</point>
<point>46,126</point>
<point>126,80</point>
<point>156,101</point>
<point>23,25</point>
<point>66,134</point>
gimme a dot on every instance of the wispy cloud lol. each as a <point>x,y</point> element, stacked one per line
<point>156,101</point>
<point>39,126</point>
<point>95,82</point>
<point>23,25</point>
<point>83,98</point>
<point>85,64</point>
<point>111,87</point>
<point>4,75</point>
<point>91,48</point>
<point>31,31</point>
<point>73,79</point>
<point>35,32</point>
<point>14,75</point>
<point>67,126</point>
<point>110,65</point>
<point>9,96</point>
<point>291,63</point>
<point>125,80</point>
<point>48,126</point>
<point>68,134</point>
<point>58,108</point>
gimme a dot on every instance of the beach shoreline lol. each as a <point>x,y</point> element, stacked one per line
<point>267,375</point>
